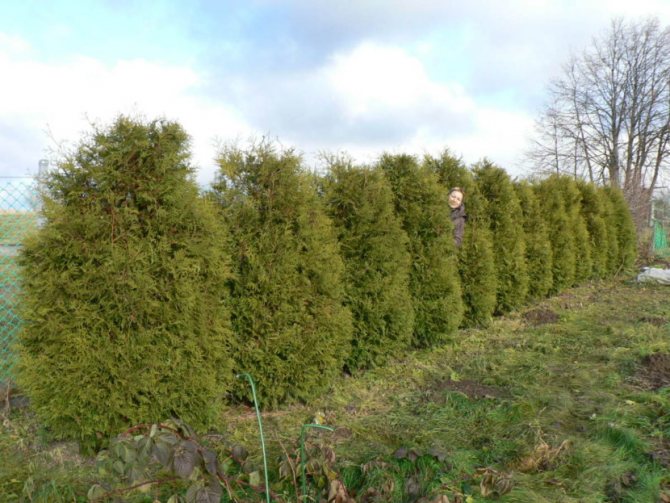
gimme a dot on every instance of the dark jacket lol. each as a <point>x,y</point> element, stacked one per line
<point>458,218</point>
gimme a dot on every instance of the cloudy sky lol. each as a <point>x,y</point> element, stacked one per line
<point>355,76</point>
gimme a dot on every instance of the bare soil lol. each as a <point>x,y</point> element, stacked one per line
<point>471,389</point>
<point>540,316</point>
<point>655,371</point>
<point>661,453</point>
<point>657,321</point>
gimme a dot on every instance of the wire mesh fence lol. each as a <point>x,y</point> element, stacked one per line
<point>660,221</point>
<point>18,216</point>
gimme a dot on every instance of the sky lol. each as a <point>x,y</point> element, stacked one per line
<point>360,77</point>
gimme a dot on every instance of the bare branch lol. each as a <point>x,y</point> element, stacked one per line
<point>608,116</point>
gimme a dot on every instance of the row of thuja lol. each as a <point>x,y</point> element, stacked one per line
<point>143,296</point>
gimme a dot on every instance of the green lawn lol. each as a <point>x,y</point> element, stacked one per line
<point>567,401</point>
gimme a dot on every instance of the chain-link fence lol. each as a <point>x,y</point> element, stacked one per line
<point>18,216</point>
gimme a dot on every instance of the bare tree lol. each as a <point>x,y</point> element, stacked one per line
<point>608,118</point>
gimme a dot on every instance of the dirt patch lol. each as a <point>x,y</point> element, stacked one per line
<point>655,371</point>
<point>657,321</point>
<point>471,389</point>
<point>661,454</point>
<point>540,316</point>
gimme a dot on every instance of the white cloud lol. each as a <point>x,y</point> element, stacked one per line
<point>502,135</point>
<point>372,78</point>
<point>362,77</point>
<point>374,84</point>
<point>64,98</point>
<point>11,44</point>
<point>639,8</point>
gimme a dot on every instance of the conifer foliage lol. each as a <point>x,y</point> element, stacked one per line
<point>594,213</point>
<point>612,243</point>
<point>621,221</point>
<point>142,299</point>
<point>373,245</point>
<point>538,247</point>
<point>475,256</point>
<point>505,219</point>
<point>293,333</point>
<point>561,236</point>
<point>123,319</point>
<point>573,205</point>
<point>421,204</point>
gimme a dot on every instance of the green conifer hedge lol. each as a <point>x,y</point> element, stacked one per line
<point>505,218</point>
<point>612,243</point>
<point>538,246</point>
<point>122,307</point>
<point>421,203</point>
<point>561,235</point>
<point>622,222</point>
<point>573,206</point>
<point>475,256</point>
<point>293,333</point>
<point>142,299</point>
<point>594,213</point>
<point>373,245</point>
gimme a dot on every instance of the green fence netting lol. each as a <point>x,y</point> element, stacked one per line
<point>660,239</point>
<point>18,216</point>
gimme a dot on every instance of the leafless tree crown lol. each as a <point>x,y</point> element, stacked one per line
<point>608,117</point>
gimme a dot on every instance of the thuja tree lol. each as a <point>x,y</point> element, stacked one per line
<point>374,247</point>
<point>475,256</point>
<point>421,203</point>
<point>293,333</point>
<point>594,213</point>
<point>621,222</point>
<point>505,219</point>
<point>612,240</point>
<point>538,247</point>
<point>573,204</point>
<point>561,236</point>
<point>122,307</point>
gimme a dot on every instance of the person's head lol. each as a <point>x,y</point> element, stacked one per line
<point>455,197</point>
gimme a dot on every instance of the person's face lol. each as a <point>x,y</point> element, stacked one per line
<point>455,199</point>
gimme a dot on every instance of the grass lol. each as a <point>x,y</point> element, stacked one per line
<point>556,412</point>
<point>34,469</point>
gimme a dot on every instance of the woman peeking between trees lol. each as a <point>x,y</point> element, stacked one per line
<point>458,216</point>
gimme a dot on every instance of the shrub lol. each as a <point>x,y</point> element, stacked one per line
<point>122,288</point>
<point>573,207</point>
<point>373,245</point>
<point>476,264</point>
<point>612,243</point>
<point>505,218</point>
<point>594,213</point>
<point>561,237</point>
<point>421,204</point>
<point>293,333</point>
<point>538,247</point>
<point>622,223</point>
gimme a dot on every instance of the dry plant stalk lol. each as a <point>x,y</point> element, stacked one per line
<point>543,457</point>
